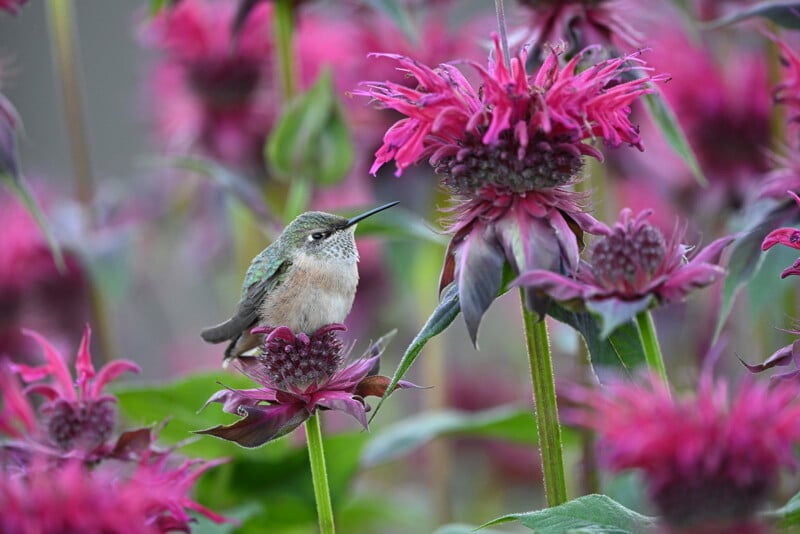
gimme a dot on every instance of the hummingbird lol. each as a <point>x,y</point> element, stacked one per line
<point>305,279</point>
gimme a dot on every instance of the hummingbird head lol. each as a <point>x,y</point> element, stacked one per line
<point>327,236</point>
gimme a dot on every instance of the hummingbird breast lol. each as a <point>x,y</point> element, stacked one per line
<point>314,293</point>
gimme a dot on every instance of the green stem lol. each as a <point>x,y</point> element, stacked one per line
<point>284,29</point>
<point>652,350</point>
<point>61,18</point>
<point>544,395</point>
<point>297,198</point>
<point>503,33</point>
<point>319,475</point>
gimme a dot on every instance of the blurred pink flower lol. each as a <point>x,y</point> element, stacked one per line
<point>78,420</point>
<point>632,268</point>
<point>709,460</point>
<point>580,23</point>
<point>33,292</point>
<point>726,119</point>
<point>506,152</point>
<point>298,374</point>
<point>209,91</point>
<point>12,6</point>
<point>74,498</point>
<point>789,237</point>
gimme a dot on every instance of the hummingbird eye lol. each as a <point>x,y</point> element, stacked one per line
<point>319,236</point>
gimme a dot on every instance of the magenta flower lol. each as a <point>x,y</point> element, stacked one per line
<point>210,92</point>
<point>709,460</point>
<point>580,22</point>
<point>17,417</point>
<point>785,236</point>
<point>298,374</point>
<point>74,498</point>
<point>507,152</point>
<point>631,268</point>
<point>77,420</point>
<point>11,6</point>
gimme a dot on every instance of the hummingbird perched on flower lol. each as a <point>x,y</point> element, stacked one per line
<point>305,279</point>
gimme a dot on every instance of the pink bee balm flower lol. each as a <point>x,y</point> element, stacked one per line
<point>709,460</point>
<point>589,21</point>
<point>74,498</point>
<point>631,268</point>
<point>298,374</point>
<point>508,151</point>
<point>79,419</point>
<point>210,91</point>
<point>785,236</point>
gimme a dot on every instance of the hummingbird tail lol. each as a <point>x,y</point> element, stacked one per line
<point>230,329</point>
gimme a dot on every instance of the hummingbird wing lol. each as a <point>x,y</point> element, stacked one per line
<point>261,278</point>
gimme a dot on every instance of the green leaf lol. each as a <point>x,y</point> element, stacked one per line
<point>398,13</point>
<point>233,183</point>
<point>667,122</point>
<point>746,256</point>
<point>787,516</point>
<point>510,423</point>
<point>311,139</point>
<point>614,313</point>
<point>591,514</point>
<point>782,13</point>
<point>444,314</point>
<point>621,350</point>
<point>461,528</point>
<point>178,402</point>
<point>156,6</point>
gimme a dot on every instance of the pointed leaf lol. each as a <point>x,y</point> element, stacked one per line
<point>614,313</point>
<point>591,514</point>
<point>788,515</point>
<point>667,123</point>
<point>510,423</point>
<point>746,256</point>
<point>479,275</point>
<point>311,140</point>
<point>622,350</point>
<point>398,13</point>
<point>260,424</point>
<point>444,314</point>
<point>782,13</point>
<point>235,184</point>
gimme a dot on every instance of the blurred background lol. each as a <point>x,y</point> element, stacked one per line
<point>159,193</point>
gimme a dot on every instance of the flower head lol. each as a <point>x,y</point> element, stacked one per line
<point>211,92</point>
<point>631,268</point>
<point>507,151</point>
<point>580,22</point>
<point>785,236</point>
<point>299,374</point>
<point>80,419</point>
<point>74,498</point>
<point>709,460</point>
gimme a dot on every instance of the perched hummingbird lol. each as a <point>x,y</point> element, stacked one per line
<point>305,279</point>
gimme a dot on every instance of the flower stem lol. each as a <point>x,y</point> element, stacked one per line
<point>319,475</point>
<point>501,29</point>
<point>652,350</point>
<point>61,18</point>
<point>544,395</point>
<point>284,30</point>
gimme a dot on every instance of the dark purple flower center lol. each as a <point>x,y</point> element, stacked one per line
<point>628,258</point>
<point>80,424</point>
<point>715,501</point>
<point>225,83</point>
<point>545,163</point>
<point>301,361</point>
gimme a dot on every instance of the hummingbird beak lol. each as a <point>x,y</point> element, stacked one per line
<point>369,213</point>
